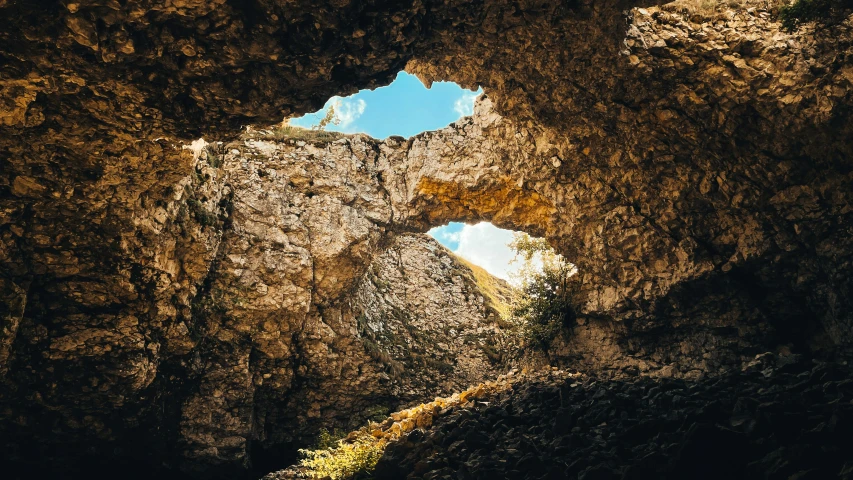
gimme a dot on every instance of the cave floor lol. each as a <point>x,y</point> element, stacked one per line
<point>780,418</point>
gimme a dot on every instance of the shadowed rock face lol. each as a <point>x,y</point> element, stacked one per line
<point>698,173</point>
<point>278,343</point>
<point>759,421</point>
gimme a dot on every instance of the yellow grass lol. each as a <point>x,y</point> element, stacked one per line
<point>497,291</point>
<point>358,453</point>
<point>281,133</point>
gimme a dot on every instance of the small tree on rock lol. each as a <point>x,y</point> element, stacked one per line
<point>542,303</point>
<point>331,118</point>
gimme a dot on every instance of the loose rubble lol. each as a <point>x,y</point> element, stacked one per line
<point>779,418</point>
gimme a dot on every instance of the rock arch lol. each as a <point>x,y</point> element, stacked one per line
<point>699,173</point>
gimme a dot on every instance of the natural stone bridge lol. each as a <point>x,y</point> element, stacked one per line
<point>698,174</point>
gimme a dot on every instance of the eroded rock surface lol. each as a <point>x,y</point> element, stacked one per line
<point>695,168</point>
<point>425,315</point>
<point>274,345</point>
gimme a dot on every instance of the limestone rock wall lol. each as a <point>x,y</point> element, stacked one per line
<point>699,165</point>
<point>273,344</point>
<point>425,315</point>
<point>282,347</point>
<point>695,167</point>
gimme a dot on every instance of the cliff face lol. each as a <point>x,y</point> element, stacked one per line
<point>695,168</point>
<point>426,316</point>
<point>306,228</point>
<point>273,345</point>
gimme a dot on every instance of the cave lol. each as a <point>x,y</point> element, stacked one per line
<point>203,312</point>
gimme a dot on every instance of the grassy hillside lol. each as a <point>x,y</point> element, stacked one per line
<point>497,291</point>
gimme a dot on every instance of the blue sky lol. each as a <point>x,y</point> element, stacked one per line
<point>407,108</point>
<point>403,108</point>
<point>449,235</point>
<point>482,244</point>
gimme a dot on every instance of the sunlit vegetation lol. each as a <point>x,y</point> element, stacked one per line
<point>496,291</point>
<point>535,309</point>
<point>543,302</point>
<point>348,459</point>
<point>331,118</point>
<point>285,131</point>
<point>281,133</point>
<point>356,455</point>
<point>327,439</point>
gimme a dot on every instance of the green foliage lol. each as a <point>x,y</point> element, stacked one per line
<point>285,131</point>
<point>210,303</point>
<point>376,413</point>
<point>527,247</point>
<point>212,158</point>
<point>327,440</point>
<point>201,214</point>
<point>543,302</point>
<point>355,458</point>
<point>802,11</point>
<point>195,209</point>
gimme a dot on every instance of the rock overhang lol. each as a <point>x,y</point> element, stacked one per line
<point>697,172</point>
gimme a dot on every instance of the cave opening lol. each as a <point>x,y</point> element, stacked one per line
<point>434,315</point>
<point>462,304</point>
<point>193,315</point>
<point>405,108</point>
<point>483,245</point>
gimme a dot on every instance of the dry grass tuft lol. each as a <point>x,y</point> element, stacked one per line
<point>282,133</point>
<point>346,459</point>
<point>356,455</point>
<point>709,10</point>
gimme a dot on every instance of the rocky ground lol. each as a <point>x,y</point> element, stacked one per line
<point>782,417</point>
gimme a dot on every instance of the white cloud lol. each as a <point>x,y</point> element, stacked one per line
<point>348,110</point>
<point>450,237</point>
<point>485,245</point>
<point>464,105</point>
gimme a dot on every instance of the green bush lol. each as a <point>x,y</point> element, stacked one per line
<point>803,11</point>
<point>544,307</point>
<point>348,459</point>
<point>543,304</point>
<point>376,413</point>
<point>327,440</point>
<point>201,214</point>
